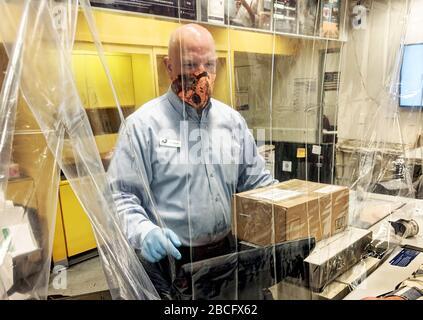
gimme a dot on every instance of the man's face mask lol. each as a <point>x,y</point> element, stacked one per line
<point>195,88</point>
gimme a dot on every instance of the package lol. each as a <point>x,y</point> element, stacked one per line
<point>307,16</point>
<point>285,16</point>
<point>333,256</point>
<point>20,255</point>
<point>290,210</point>
<point>329,18</point>
<point>5,261</point>
<point>213,11</point>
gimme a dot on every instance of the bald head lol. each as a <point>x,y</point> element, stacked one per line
<point>190,36</point>
<point>191,48</point>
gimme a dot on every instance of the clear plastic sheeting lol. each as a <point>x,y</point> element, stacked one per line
<point>223,162</point>
<point>48,87</point>
<point>378,152</point>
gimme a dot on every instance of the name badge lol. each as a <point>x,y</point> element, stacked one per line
<point>165,142</point>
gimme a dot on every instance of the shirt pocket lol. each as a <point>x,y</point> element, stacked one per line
<point>167,160</point>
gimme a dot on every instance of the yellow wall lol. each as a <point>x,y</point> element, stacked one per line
<point>77,227</point>
<point>92,81</point>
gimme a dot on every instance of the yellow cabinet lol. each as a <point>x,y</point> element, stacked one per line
<point>92,82</point>
<point>122,75</point>
<point>143,74</point>
<point>77,227</point>
<point>133,79</point>
<point>60,253</point>
<point>99,92</point>
<point>78,69</point>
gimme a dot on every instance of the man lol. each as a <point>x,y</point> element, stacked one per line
<point>409,289</point>
<point>178,161</point>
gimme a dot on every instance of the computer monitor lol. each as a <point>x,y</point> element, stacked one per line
<point>411,82</point>
<point>245,275</point>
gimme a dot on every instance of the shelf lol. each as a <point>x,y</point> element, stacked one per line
<point>218,25</point>
<point>121,27</point>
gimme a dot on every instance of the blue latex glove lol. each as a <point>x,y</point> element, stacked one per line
<point>160,242</point>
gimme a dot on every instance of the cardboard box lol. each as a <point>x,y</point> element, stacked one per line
<point>332,257</point>
<point>290,210</point>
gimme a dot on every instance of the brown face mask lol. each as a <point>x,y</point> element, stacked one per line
<point>195,89</point>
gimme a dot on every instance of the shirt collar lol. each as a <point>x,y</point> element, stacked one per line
<point>191,112</point>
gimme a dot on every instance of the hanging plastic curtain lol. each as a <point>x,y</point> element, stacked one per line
<point>287,112</point>
<point>376,133</point>
<point>270,164</point>
<point>47,85</point>
<point>377,136</point>
<point>207,216</point>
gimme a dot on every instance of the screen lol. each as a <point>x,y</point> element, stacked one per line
<point>412,76</point>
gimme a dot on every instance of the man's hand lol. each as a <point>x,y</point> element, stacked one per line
<point>158,243</point>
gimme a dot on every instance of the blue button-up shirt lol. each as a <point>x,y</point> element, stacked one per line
<point>177,169</point>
